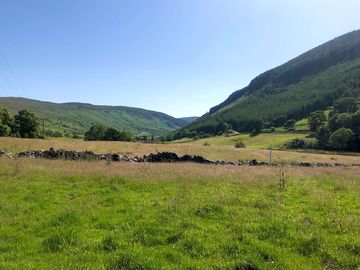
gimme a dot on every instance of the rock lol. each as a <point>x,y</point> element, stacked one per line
<point>305,164</point>
<point>162,157</point>
<point>115,157</point>
<point>253,162</point>
<point>5,154</point>
<point>339,165</point>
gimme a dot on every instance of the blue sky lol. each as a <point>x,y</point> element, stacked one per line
<point>180,57</point>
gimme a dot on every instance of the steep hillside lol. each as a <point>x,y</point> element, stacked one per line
<point>293,90</point>
<point>76,118</point>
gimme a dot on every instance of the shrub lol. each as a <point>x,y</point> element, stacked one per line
<point>290,124</point>
<point>126,262</point>
<point>300,143</point>
<point>4,130</point>
<point>240,144</point>
<point>60,240</point>
<point>341,139</point>
<point>108,244</point>
<point>26,124</point>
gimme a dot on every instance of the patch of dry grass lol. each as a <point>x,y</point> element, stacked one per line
<point>166,171</point>
<point>228,153</point>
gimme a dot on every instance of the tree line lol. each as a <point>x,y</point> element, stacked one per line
<point>99,132</point>
<point>24,124</point>
<point>339,130</point>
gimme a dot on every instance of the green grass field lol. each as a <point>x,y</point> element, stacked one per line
<point>90,215</point>
<point>263,140</point>
<point>93,215</point>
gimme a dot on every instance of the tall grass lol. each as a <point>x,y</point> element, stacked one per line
<point>89,215</point>
<point>216,152</point>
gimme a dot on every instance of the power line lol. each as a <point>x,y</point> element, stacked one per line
<point>13,72</point>
<point>7,81</point>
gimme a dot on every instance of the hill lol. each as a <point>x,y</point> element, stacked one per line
<point>190,119</point>
<point>309,82</point>
<point>76,118</point>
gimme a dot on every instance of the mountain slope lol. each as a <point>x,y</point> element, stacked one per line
<point>293,90</point>
<point>190,119</point>
<point>76,118</point>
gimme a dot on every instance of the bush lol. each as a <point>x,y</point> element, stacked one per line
<point>290,124</point>
<point>300,143</point>
<point>240,144</point>
<point>95,133</point>
<point>101,133</point>
<point>4,130</point>
<point>341,139</point>
<point>108,244</point>
<point>26,124</point>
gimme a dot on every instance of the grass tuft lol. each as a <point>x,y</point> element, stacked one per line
<point>109,244</point>
<point>60,240</point>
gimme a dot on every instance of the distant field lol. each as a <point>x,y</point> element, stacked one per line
<point>90,215</point>
<point>215,151</point>
<point>263,140</point>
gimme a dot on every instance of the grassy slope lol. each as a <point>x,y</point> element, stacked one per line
<point>77,118</point>
<point>85,215</point>
<point>264,140</point>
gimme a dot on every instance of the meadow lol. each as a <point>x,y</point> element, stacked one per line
<point>57,214</point>
<point>215,148</point>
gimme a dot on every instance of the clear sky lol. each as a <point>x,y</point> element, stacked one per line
<point>180,57</point>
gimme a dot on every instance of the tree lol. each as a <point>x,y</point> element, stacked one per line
<point>112,134</point>
<point>290,124</point>
<point>322,135</point>
<point>95,133</point>
<point>355,127</point>
<point>26,124</point>
<point>4,130</point>
<point>223,127</point>
<point>355,123</point>
<point>345,105</point>
<point>340,120</point>
<point>254,125</point>
<point>126,136</point>
<point>341,139</point>
<point>280,120</point>
<point>6,118</point>
<point>316,119</point>
<point>6,122</point>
